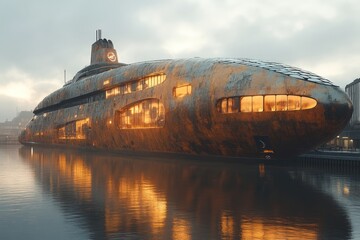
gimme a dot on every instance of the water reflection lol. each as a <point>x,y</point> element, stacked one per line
<point>116,197</point>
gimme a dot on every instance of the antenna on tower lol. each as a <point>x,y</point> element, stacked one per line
<point>98,34</point>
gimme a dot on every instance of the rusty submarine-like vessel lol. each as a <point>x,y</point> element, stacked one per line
<point>217,106</point>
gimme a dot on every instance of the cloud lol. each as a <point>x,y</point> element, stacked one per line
<point>21,90</point>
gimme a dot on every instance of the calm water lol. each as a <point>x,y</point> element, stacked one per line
<point>59,194</point>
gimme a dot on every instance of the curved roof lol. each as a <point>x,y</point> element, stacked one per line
<point>281,68</point>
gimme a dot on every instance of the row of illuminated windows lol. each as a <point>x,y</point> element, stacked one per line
<point>138,85</point>
<point>142,84</point>
<point>148,113</point>
<point>267,103</point>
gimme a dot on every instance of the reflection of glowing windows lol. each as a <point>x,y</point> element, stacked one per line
<point>182,91</point>
<point>267,103</point>
<point>74,130</point>
<point>181,229</point>
<point>257,228</point>
<point>138,85</point>
<point>148,113</point>
<point>227,226</point>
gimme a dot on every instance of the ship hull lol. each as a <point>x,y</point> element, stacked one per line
<point>95,113</point>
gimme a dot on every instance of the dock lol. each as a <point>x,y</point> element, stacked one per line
<point>342,159</point>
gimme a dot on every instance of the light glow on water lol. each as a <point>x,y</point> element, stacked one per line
<point>61,194</point>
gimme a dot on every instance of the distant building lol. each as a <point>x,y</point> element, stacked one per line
<point>353,90</point>
<point>352,132</point>
<point>349,138</point>
<point>10,130</point>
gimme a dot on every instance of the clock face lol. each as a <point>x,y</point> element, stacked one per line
<point>111,56</point>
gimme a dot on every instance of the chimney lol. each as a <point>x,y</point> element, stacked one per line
<point>102,51</point>
<point>98,34</point>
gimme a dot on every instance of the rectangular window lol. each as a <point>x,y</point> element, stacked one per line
<point>269,103</point>
<point>127,88</point>
<point>258,104</point>
<point>224,105</point>
<point>81,128</point>
<point>182,91</point>
<point>233,104</point>
<point>61,133</point>
<point>133,86</point>
<point>106,82</point>
<point>246,104</point>
<point>74,130</point>
<point>281,102</point>
<point>293,102</point>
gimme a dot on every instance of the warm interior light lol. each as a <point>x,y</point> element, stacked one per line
<point>182,91</point>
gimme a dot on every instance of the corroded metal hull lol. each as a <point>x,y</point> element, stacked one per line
<point>196,106</point>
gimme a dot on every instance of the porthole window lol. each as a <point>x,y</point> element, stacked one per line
<point>267,103</point>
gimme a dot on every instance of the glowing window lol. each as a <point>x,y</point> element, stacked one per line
<point>281,102</point>
<point>182,91</point>
<point>149,113</point>
<point>307,103</point>
<point>233,105</point>
<point>229,105</point>
<point>106,82</point>
<point>74,130</point>
<point>246,104</point>
<point>269,103</point>
<point>258,103</point>
<point>138,85</point>
<point>293,102</point>
<point>224,105</point>
<point>112,92</point>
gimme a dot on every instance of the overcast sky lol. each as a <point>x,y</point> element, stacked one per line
<point>41,38</point>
